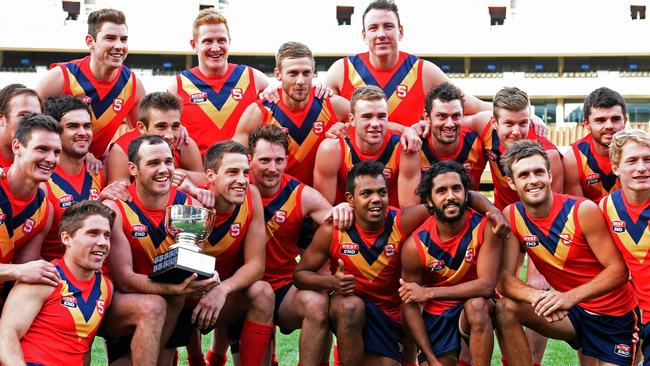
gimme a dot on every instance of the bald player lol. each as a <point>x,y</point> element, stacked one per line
<point>100,79</point>
<point>16,101</point>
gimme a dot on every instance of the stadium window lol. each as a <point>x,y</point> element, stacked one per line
<point>497,15</point>
<point>539,67</point>
<point>637,12</point>
<point>167,65</point>
<point>201,7</point>
<point>634,67</point>
<point>584,67</point>
<point>445,68</point>
<point>24,61</point>
<point>344,14</point>
<point>491,67</point>
<point>73,8</point>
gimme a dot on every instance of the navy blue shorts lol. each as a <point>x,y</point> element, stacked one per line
<point>644,335</point>
<point>608,338</point>
<point>443,332</point>
<point>381,334</point>
<point>280,294</point>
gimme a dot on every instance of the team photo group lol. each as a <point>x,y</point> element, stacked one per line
<point>235,206</point>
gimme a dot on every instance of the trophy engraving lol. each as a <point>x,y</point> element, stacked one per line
<point>188,225</point>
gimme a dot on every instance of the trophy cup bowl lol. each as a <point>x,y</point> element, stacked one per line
<point>188,225</point>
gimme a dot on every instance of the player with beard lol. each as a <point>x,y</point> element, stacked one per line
<point>450,265</point>
<point>627,211</point>
<point>587,171</point>
<point>16,101</point>
<point>592,305</point>
<point>100,79</point>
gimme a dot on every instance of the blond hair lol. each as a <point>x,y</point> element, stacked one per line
<point>623,137</point>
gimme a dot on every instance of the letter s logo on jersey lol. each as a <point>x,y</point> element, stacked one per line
<point>237,94</point>
<point>235,230</point>
<point>388,173</point>
<point>401,91</point>
<point>117,104</point>
<point>389,250</point>
<point>100,306</point>
<point>280,216</point>
<point>318,127</point>
<point>94,194</point>
<point>28,226</point>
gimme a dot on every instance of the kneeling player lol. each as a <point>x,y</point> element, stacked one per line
<point>593,306</point>
<point>455,255</point>
<point>45,325</point>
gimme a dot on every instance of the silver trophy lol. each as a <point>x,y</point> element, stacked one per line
<point>188,225</point>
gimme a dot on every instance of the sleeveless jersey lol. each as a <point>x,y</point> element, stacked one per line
<point>283,217</point>
<point>493,149</point>
<point>594,171</point>
<point>389,155</point>
<point>128,137</point>
<point>451,262</point>
<point>64,328</point>
<point>5,163</point>
<point>306,130</point>
<point>145,228</point>
<point>469,154</point>
<point>628,224</point>
<point>374,260</point>
<point>402,84</point>
<point>212,106</point>
<point>226,242</point>
<point>110,102</point>
<point>558,247</point>
<point>63,191</point>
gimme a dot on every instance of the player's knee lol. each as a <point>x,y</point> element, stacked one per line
<point>152,309</point>
<point>261,296</point>
<point>349,312</point>
<point>316,305</point>
<point>506,310</point>
<point>477,312</point>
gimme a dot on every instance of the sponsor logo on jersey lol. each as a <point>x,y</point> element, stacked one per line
<point>491,155</point>
<point>66,201</point>
<point>592,178</point>
<point>139,231</point>
<point>2,218</point>
<point>69,301</point>
<point>623,350</point>
<point>198,97</point>
<point>566,239</point>
<point>469,255</point>
<point>349,248</point>
<point>531,241</point>
<point>86,99</point>
<point>436,265</point>
<point>389,250</point>
<point>388,173</point>
<point>618,226</point>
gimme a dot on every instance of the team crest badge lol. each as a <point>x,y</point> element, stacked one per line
<point>389,250</point>
<point>198,98</point>
<point>618,226</point>
<point>531,241</point>
<point>566,239</point>
<point>66,201</point>
<point>139,231</point>
<point>349,248</point>
<point>69,302</point>
<point>469,255</point>
<point>623,350</point>
<point>592,178</point>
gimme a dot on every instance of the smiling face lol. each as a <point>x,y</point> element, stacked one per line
<point>634,167</point>
<point>89,245</point>
<point>155,169</point>
<point>40,157</point>
<point>267,164</point>
<point>164,123</point>
<point>212,45</point>
<point>512,126</point>
<point>370,120</point>
<point>369,200</point>
<point>18,107</point>
<point>448,197</point>
<point>382,32</point>
<point>77,133</point>
<point>445,119</point>
<point>111,46</point>
<point>230,182</point>
<point>531,179</point>
<point>296,75</point>
<point>603,123</point>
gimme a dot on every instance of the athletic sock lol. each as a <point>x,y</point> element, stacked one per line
<point>254,337</point>
<point>504,362</point>
<point>337,362</point>
<point>213,359</point>
<point>196,359</point>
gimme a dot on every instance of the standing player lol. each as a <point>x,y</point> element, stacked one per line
<point>159,113</point>
<point>70,313</point>
<point>100,79</point>
<point>450,264</point>
<point>592,306</point>
<point>627,211</point>
<point>587,170</point>
<point>404,78</point>
<point>16,101</point>
<point>365,308</point>
<point>215,93</point>
<point>369,140</point>
<point>304,117</point>
<point>449,139</point>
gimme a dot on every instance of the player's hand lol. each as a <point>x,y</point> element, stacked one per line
<point>321,91</point>
<point>412,292</point>
<point>206,197</point>
<point>192,286</point>
<point>207,311</point>
<point>539,126</point>
<point>342,215</point>
<point>178,178</point>
<point>183,139</point>
<point>118,190</point>
<point>339,129</point>
<point>37,272</point>
<point>271,93</point>
<point>423,128</point>
<point>410,140</point>
<point>550,302</point>
<point>500,225</point>
<point>344,284</point>
<point>93,165</point>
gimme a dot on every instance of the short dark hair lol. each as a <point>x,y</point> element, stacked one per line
<point>57,107</point>
<point>10,91</point>
<point>134,146</point>
<point>445,92</point>
<point>163,101</point>
<point>33,122</point>
<point>270,133</point>
<point>520,150</point>
<point>370,168</point>
<point>380,5</point>
<point>603,98</point>
<point>74,216</point>
<point>98,17</point>
<point>441,167</point>
<point>215,153</point>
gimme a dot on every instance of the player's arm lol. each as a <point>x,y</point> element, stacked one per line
<point>571,176</point>
<point>328,162</point>
<point>341,107</point>
<point>408,179</point>
<point>117,165</point>
<point>192,163</point>
<point>478,122</point>
<point>432,76</point>
<point>249,121</point>
<point>23,304</point>
<point>261,81</point>
<point>500,225</point>
<point>316,207</point>
<point>52,83</point>
<point>412,276</point>
<point>307,276</point>
<point>335,76</point>
<point>133,117</point>
<point>412,217</point>
<point>557,170</point>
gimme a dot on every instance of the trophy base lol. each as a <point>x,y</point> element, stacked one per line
<point>175,265</point>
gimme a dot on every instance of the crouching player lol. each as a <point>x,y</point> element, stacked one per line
<point>450,264</point>
<point>70,313</point>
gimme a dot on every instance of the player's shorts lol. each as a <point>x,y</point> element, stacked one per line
<point>119,347</point>
<point>443,331</point>
<point>280,294</point>
<point>381,334</point>
<point>608,338</point>
<point>644,335</point>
